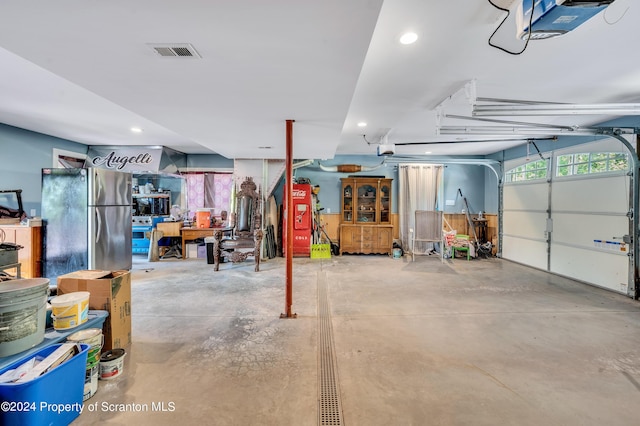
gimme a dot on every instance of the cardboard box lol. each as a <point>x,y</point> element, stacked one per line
<point>169,229</point>
<point>111,292</point>
<point>192,250</point>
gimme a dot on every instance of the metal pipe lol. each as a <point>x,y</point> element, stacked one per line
<point>516,101</point>
<point>519,130</point>
<point>350,168</point>
<point>499,175</point>
<point>288,190</point>
<point>435,160</point>
<point>517,123</point>
<point>555,109</point>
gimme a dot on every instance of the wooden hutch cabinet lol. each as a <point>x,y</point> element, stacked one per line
<point>365,218</point>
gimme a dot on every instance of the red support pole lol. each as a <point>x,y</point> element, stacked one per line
<point>288,192</point>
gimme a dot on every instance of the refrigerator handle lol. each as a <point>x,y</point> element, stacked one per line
<point>98,186</point>
<point>98,226</point>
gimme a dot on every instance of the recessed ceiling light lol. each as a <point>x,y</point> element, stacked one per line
<point>427,152</point>
<point>136,130</point>
<point>408,38</point>
<point>362,124</point>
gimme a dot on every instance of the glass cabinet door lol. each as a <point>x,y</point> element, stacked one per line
<point>366,200</point>
<point>385,203</point>
<point>347,203</point>
<point>367,205</point>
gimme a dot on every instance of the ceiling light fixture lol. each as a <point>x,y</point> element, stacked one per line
<point>136,130</point>
<point>408,38</point>
<point>362,124</point>
<point>427,152</point>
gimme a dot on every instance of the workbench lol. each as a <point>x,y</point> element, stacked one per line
<point>190,234</point>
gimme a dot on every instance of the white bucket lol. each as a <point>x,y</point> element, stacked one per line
<point>70,310</point>
<point>92,337</point>
<point>111,364</point>
<point>90,382</point>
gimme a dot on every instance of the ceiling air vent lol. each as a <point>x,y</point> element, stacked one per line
<point>182,50</point>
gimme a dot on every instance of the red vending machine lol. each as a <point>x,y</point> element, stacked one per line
<point>302,221</point>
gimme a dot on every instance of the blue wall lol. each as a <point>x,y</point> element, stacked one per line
<point>470,179</point>
<point>330,184</point>
<point>23,155</point>
<point>490,192</point>
<point>209,161</point>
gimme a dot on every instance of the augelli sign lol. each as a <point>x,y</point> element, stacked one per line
<point>125,159</point>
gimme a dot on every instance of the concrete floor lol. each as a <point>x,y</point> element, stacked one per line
<point>484,342</point>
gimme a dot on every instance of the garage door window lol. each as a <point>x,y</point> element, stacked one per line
<point>591,162</point>
<point>533,170</point>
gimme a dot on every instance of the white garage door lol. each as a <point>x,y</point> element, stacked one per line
<point>524,222</point>
<point>572,223</point>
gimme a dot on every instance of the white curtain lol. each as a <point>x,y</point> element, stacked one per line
<point>420,187</point>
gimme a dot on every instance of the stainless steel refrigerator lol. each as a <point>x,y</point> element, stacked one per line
<point>87,219</point>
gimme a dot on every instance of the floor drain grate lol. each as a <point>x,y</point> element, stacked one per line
<point>330,408</point>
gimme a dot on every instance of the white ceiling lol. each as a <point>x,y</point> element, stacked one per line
<point>83,70</point>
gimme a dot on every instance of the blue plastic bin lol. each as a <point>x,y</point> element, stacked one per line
<point>55,398</point>
<point>53,336</point>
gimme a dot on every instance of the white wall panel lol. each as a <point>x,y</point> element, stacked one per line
<point>524,224</point>
<point>526,196</point>
<point>607,270</point>
<point>528,252</point>
<point>587,209</point>
<point>601,194</point>
<point>248,168</point>
<point>582,229</point>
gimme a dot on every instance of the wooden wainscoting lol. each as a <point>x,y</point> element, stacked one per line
<point>331,222</point>
<point>458,221</point>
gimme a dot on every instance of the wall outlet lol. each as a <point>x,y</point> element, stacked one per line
<point>33,212</point>
<point>450,202</point>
